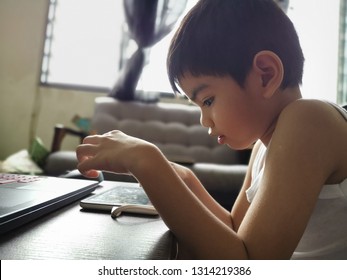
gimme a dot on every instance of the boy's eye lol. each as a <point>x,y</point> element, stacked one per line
<point>208,102</point>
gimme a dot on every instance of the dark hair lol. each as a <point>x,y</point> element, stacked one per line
<point>221,37</point>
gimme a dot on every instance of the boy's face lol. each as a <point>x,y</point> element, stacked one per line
<point>232,113</point>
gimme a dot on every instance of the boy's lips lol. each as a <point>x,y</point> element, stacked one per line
<point>221,139</point>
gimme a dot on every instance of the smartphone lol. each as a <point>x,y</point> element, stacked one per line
<point>122,198</point>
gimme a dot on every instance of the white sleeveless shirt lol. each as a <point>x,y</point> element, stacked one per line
<point>325,236</point>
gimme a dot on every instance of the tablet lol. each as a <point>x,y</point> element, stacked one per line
<point>128,199</point>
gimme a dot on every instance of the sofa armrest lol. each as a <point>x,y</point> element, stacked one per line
<point>60,131</point>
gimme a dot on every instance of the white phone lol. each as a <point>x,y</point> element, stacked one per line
<point>128,199</point>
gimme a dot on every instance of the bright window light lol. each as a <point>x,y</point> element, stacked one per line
<point>85,46</point>
<point>317,24</point>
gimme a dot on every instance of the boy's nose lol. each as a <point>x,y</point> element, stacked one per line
<point>206,122</point>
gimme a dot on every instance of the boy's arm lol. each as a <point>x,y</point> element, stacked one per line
<point>239,209</point>
<point>202,194</point>
<point>241,204</point>
<point>194,225</point>
<point>192,222</point>
<point>199,225</point>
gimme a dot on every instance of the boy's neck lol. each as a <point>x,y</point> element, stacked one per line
<point>281,100</point>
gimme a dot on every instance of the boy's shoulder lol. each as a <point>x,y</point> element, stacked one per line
<point>312,134</point>
<point>312,111</point>
<point>309,119</point>
<point>306,104</point>
<point>311,122</point>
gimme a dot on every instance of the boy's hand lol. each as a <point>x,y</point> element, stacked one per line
<point>113,151</point>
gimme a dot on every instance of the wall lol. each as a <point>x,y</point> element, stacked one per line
<point>26,109</point>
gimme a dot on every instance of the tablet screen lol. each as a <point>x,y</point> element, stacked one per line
<point>120,195</point>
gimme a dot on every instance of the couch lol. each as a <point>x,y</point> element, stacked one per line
<point>176,130</point>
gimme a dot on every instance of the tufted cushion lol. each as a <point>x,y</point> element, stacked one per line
<point>174,128</point>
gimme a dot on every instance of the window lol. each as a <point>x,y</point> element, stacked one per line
<point>342,70</point>
<point>317,24</point>
<point>83,43</point>
<point>84,46</point>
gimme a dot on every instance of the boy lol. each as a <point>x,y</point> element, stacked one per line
<point>240,61</point>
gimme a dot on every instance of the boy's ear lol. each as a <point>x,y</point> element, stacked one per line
<point>269,68</point>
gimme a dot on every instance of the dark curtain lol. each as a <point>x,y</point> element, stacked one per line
<point>148,22</point>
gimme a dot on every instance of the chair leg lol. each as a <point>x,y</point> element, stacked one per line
<point>59,134</point>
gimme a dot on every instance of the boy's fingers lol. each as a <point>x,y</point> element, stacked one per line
<point>87,168</point>
<point>91,139</point>
<point>85,151</point>
<point>91,173</point>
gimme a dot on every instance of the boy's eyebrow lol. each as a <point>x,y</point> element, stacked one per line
<point>196,91</point>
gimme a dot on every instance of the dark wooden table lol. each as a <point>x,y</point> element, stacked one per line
<point>72,233</point>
